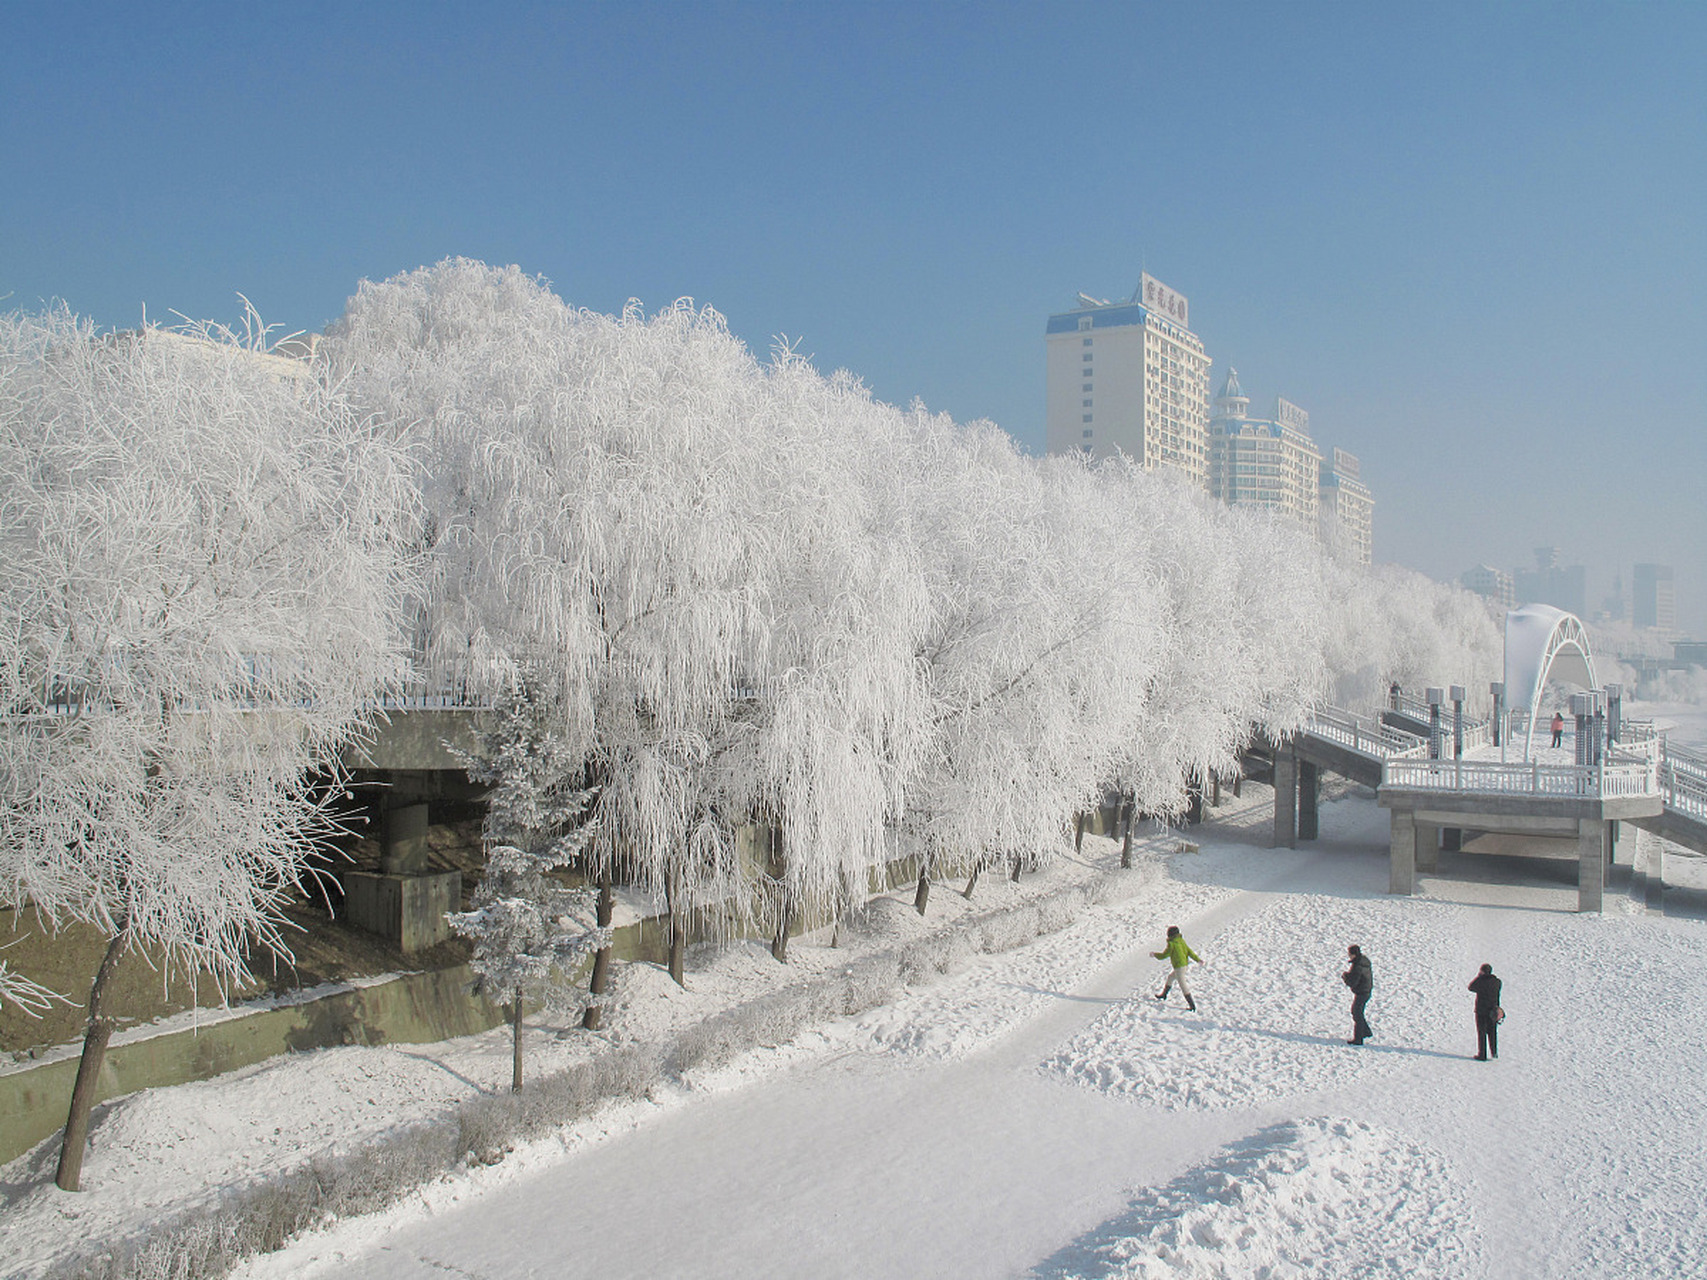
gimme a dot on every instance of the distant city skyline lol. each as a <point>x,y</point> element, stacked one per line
<point>1465,237</point>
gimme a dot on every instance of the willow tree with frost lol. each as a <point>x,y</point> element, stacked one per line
<point>1031,639</point>
<point>820,751</point>
<point>202,567</point>
<point>589,498</point>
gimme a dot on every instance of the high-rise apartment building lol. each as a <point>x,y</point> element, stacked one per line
<point>1347,508</point>
<point>1264,462</point>
<point>1130,377</point>
<point>1654,597</point>
<point>1496,584</point>
<point>1564,586</point>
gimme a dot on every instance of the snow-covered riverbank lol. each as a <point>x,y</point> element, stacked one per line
<point>1037,1111</point>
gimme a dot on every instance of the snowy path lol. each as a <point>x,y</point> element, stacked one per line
<point>1038,1113</point>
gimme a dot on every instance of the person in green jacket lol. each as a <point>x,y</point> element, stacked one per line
<point>1177,952</point>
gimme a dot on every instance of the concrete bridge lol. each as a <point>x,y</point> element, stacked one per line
<point>1439,785</point>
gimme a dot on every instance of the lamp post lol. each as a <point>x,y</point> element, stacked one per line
<point>1497,688</point>
<point>1457,722</point>
<point>1585,709</point>
<point>1435,696</point>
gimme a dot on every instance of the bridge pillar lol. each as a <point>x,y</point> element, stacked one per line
<point>1591,864</point>
<point>1611,843</point>
<point>1285,798</point>
<point>1452,839</point>
<point>1428,847</point>
<point>1656,874</point>
<point>1402,875</point>
<point>1309,794</point>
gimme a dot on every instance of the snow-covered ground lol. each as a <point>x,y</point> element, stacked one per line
<point>1039,1113</point>
<point>1684,723</point>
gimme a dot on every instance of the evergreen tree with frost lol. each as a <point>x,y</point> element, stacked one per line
<point>531,930</point>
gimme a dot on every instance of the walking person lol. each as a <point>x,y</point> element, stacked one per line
<point>1177,952</point>
<point>1361,981</point>
<point>1488,1013</point>
<point>1558,728</point>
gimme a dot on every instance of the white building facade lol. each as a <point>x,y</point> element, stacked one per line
<point>1347,508</point>
<point>1264,462</point>
<point>1130,377</point>
<point>1496,584</point>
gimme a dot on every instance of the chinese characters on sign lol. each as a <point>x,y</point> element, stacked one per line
<point>1158,297</point>
<point>1290,415</point>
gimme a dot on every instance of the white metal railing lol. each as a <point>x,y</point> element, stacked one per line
<point>1684,761</point>
<point>1619,778</point>
<point>1476,732</point>
<point>1683,781</point>
<point>429,686</point>
<point>1364,734</point>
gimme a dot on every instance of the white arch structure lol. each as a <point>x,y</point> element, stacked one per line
<point>1543,643</point>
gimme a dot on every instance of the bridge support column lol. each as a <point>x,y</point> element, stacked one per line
<point>1452,839</point>
<point>1656,874</point>
<point>1611,843</point>
<point>1285,798</point>
<point>1428,847</point>
<point>1402,875</point>
<point>1591,864</point>
<point>1309,794</point>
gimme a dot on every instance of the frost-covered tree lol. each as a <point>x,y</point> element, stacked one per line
<point>1036,632</point>
<point>531,928</point>
<point>770,599</point>
<point>1390,625</point>
<point>590,502</point>
<point>202,569</point>
<point>25,993</point>
<point>820,751</point>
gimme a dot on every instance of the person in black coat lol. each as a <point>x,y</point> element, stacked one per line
<point>1487,989</point>
<point>1361,981</point>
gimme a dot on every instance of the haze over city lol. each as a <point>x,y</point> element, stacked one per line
<point>1466,239</point>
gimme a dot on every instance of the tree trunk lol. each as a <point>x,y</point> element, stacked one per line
<point>516,1043</point>
<point>678,931</point>
<point>922,898</point>
<point>678,949</point>
<point>785,911</point>
<point>601,958</point>
<point>971,883</point>
<point>1016,869</point>
<point>1238,781</point>
<point>1194,800</point>
<point>1130,808</point>
<point>779,944</point>
<point>70,1174</point>
<point>1078,836</point>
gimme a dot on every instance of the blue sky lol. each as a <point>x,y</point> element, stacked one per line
<point>1470,239</point>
